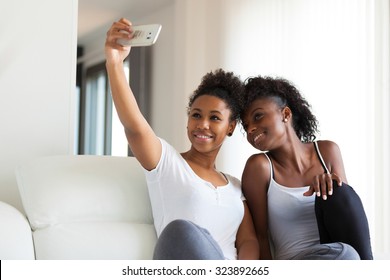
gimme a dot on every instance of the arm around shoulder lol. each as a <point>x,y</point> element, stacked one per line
<point>332,156</point>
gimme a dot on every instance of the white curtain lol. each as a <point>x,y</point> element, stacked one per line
<point>380,81</point>
<point>337,53</point>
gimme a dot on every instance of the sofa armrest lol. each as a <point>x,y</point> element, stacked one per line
<point>15,235</point>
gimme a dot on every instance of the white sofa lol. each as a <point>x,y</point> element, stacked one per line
<point>80,207</point>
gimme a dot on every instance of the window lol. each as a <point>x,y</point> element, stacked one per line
<point>97,113</point>
<point>100,131</point>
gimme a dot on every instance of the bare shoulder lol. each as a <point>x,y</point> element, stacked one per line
<point>257,163</point>
<point>256,172</point>
<point>333,159</point>
<point>328,148</point>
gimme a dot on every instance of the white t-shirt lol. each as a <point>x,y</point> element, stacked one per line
<point>176,192</point>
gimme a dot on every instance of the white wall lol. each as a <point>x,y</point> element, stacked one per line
<point>37,83</point>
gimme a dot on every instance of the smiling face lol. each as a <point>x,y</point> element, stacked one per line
<point>209,123</point>
<point>264,124</point>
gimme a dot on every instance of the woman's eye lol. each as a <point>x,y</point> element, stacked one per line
<point>257,117</point>
<point>196,115</point>
<point>215,118</point>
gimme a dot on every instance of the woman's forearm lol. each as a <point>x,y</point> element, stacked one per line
<point>124,100</point>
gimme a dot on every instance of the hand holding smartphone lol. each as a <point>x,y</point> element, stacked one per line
<point>144,35</point>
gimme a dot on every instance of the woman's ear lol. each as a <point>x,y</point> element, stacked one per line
<point>232,126</point>
<point>286,114</point>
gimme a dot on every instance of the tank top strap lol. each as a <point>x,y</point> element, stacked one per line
<point>270,166</point>
<point>320,157</point>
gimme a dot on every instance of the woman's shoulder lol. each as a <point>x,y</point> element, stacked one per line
<point>257,161</point>
<point>328,147</point>
<point>232,179</point>
<point>331,154</point>
<point>257,168</point>
<point>256,176</point>
<point>168,149</point>
<point>169,157</point>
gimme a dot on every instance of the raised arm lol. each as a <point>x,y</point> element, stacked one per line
<point>143,142</point>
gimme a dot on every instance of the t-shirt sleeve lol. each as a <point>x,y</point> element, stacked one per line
<point>166,160</point>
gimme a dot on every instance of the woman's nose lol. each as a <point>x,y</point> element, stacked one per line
<point>203,124</point>
<point>250,128</point>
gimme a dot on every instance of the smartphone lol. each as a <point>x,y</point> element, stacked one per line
<point>144,35</point>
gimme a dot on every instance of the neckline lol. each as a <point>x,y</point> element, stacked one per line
<point>316,148</point>
<point>205,181</point>
<point>285,187</point>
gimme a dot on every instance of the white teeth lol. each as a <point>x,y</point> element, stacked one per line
<point>257,137</point>
<point>203,136</point>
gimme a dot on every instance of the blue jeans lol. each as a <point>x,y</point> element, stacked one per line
<point>184,240</point>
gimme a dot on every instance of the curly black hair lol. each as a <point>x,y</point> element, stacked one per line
<point>224,85</point>
<point>285,94</point>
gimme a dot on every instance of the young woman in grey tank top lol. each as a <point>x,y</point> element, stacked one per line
<point>278,122</point>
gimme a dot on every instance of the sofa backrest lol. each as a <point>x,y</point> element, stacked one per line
<point>87,207</point>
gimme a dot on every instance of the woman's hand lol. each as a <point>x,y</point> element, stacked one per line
<point>116,53</point>
<point>323,184</point>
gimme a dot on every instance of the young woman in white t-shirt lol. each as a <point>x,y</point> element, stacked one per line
<point>199,212</point>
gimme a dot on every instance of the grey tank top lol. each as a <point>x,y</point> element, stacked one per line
<point>291,217</point>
